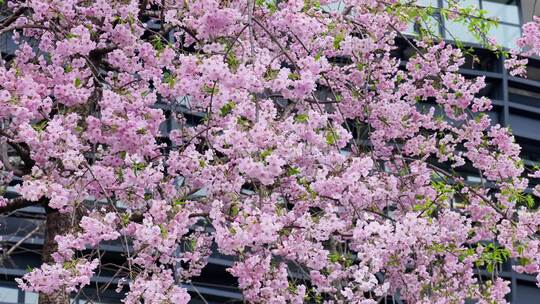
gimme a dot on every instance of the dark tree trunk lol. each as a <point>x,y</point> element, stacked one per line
<point>56,224</point>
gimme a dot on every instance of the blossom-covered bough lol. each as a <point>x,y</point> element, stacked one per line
<point>356,193</point>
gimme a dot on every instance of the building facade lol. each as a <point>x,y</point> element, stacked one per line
<point>516,104</point>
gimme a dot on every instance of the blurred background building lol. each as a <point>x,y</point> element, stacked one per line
<point>516,104</point>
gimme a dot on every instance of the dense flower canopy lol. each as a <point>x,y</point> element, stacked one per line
<point>350,196</point>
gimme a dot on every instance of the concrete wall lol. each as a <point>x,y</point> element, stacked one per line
<point>529,9</point>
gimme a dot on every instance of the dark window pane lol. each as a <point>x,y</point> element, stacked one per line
<point>523,94</point>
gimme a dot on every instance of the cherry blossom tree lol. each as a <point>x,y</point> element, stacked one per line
<point>356,190</point>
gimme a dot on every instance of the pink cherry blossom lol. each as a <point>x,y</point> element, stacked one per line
<point>274,132</point>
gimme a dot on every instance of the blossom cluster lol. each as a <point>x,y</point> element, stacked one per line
<point>322,163</point>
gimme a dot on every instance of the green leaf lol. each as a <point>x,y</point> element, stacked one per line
<point>428,208</point>
<point>442,149</point>
<point>243,121</point>
<point>308,4</point>
<point>270,74</point>
<point>272,6</point>
<point>40,126</point>
<point>169,79</point>
<point>524,261</point>
<point>492,256</point>
<point>334,257</point>
<point>69,264</point>
<point>266,153</point>
<point>337,40</point>
<point>118,171</point>
<point>141,131</point>
<point>71,35</point>
<point>130,19</point>
<point>227,108</point>
<point>301,118</point>
<point>164,232</point>
<point>191,245</point>
<point>479,117</point>
<point>179,202</point>
<point>232,61</point>
<point>234,210</point>
<point>292,287</point>
<point>294,76</point>
<point>520,249</point>
<point>466,253</point>
<point>212,90</point>
<point>293,171</point>
<point>157,43</point>
<point>269,4</point>
<point>138,167</point>
<point>125,218</point>
<point>77,83</point>
<point>331,138</point>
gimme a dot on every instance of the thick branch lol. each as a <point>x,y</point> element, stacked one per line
<point>20,27</point>
<point>4,156</point>
<point>96,54</point>
<point>9,20</point>
<point>24,154</point>
<point>56,224</point>
<point>138,217</point>
<point>18,203</point>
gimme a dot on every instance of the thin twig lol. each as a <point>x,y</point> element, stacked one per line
<point>26,237</point>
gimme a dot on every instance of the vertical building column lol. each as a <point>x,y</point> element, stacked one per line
<point>506,110</point>
<point>513,286</point>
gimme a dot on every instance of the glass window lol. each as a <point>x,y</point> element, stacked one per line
<point>505,11</point>
<point>524,95</point>
<point>506,35</point>
<point>334,6</point>
<point>427,3</point>
<point>31,298</point>
<point>457,31</point>
<point>432,25</point>
<point>410,29</point>
<point>462,3</point>
<point>9,295</point>
<point>533,70</point>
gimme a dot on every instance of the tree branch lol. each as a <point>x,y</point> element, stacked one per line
<point>27,236</point>
<point>19,203</point>
<point>4,157</point>
<point>24,154</point>
<point>20,27</point>
<point>98,53</point>
<point>9,20</point>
